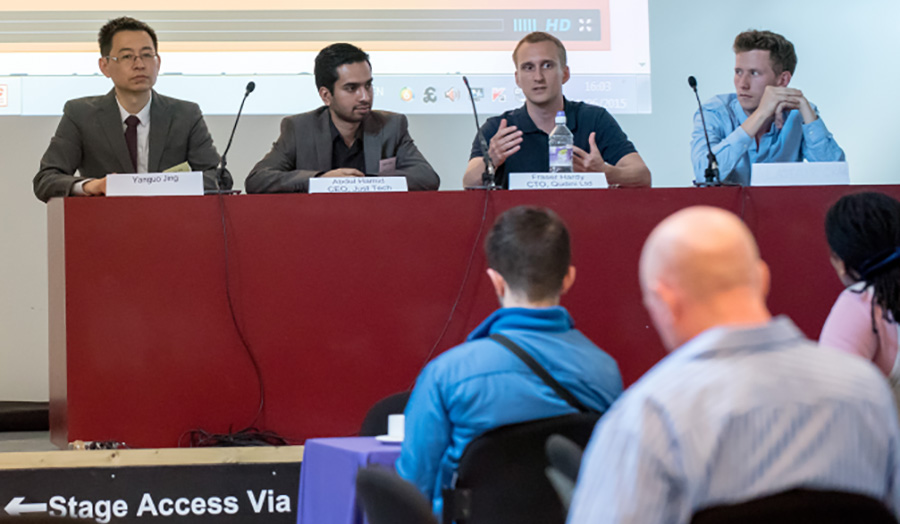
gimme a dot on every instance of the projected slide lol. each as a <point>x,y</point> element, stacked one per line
<point>419,51</point>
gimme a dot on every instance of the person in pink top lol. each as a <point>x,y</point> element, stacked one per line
<point>863,232</point>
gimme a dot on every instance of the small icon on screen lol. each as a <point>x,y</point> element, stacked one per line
<point>477,93</point>
<point>406,94</point>
<point>3,95</point>
<point>430,96</point>
<point>452,94</point>
<point>519,94</point>
<point>498,94</point>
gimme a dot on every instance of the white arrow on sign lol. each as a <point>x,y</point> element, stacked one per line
<point>16,507</point>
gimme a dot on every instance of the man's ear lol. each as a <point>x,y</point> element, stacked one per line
<point>765,279</point>
<point>668,297</point>
<point>104,64</point>
<point>568,280</point>
<point>498,282</point>
<point>784,79</point>
<point>325,95</point>
<point>565,74</point>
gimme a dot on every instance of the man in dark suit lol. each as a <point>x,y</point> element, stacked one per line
<point>343,138</point>
<point>131,129</point>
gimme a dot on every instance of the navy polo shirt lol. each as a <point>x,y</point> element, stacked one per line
<point>534,155</point>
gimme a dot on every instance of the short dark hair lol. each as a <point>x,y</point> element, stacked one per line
<point>781,51</point>
<point>863,230</point>
<point>529,247</point>
<point>334,56</point>
<point>123,23</point>
<point>536,38</point>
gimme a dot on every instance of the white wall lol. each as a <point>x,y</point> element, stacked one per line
<point>847,57</point>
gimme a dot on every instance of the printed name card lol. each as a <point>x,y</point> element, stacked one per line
<point>800,174</point>
<point>358,184</point>
<point>557,181</point>
<point>155,184</point>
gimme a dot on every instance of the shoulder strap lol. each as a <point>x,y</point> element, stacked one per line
<point>542,373</point>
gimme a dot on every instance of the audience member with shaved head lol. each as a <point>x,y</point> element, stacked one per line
<point>743,406</point>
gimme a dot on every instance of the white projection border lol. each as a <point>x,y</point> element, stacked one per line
<point>48,57</point>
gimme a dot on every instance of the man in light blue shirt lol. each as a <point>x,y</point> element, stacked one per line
<point>764,120</point>
<point>481,385</point>
<point>743,406</point>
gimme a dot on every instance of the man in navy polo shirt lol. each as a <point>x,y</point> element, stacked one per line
<point>518,139</point>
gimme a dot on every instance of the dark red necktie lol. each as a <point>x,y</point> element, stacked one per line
<point>131,138</point>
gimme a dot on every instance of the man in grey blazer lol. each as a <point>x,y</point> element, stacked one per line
<point>343,138</point>
<point>131,129</point>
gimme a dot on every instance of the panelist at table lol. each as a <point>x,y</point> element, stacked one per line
<point>764,120</point>
<point>131,129</point>
<point>343,138</point>
<point>518,140</point>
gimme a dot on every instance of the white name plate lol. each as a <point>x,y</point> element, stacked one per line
<point>358,184</point>
<point>155,184</point>
<point>557,181</point>
<point>800,174</point>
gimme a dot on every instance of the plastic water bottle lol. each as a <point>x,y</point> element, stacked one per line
<point>561,141</point>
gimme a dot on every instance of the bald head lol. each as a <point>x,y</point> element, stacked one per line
<point>700,267</point>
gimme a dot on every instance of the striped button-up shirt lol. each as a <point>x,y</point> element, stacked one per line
<point>736,414</point>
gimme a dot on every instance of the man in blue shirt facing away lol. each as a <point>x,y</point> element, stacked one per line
<point>481,385</point>
<point>764,120</point>
<point>744,405</point>
<point>518,140</point>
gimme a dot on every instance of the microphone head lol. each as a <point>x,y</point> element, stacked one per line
<point>466,81</point>
<point>692,82</point>
<point>252,85</point>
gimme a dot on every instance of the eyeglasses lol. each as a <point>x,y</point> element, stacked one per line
<point>131,58</point>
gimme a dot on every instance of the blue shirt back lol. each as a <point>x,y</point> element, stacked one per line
<point>480,385</point>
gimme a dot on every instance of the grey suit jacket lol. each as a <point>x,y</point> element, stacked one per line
<point>90,140</point>
<point>304,150</point>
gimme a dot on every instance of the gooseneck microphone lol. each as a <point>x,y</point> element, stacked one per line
<point>488,179</point>
<point>223,184</point>
<point>711,175</point>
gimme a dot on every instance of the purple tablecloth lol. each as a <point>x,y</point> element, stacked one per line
<point>328,477</point>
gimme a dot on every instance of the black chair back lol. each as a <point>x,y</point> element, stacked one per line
<point>388,499</point>
<point>564,457</point>
<point>375,422</point>
<point>501,477</point>
<point>800,506</point>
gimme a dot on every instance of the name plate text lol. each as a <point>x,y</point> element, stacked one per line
<point>557,181</point>
<point>155,184</point>
<point>358,184</point>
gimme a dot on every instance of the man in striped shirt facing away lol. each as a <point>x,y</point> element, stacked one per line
<point>743,406</point>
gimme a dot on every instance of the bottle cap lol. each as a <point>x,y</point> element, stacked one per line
<point>561,117</point>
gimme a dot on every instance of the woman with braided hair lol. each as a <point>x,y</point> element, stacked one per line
<point>863,232</point>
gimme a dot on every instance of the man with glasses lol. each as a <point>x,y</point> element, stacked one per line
<point>131,129</point>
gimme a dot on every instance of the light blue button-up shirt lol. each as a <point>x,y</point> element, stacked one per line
<point>736,151</point>
<point>481,385</point>
<point>736,414</point>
